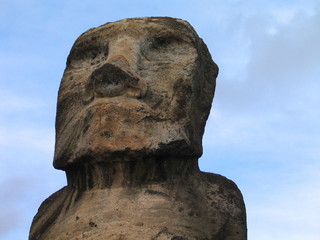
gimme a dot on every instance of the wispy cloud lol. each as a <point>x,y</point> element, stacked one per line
<point>13,102</point>
<point>33,139</point>
<point>292,213</point>
<point>13,196</point>
<point>10,219</point>
<point>17,130</point>
<point>265,118</point>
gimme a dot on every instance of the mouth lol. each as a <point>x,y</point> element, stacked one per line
<point>119,101</point>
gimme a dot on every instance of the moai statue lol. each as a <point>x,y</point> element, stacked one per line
<point>132,107</point>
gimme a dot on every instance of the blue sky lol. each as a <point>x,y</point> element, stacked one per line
<point>263,131</point>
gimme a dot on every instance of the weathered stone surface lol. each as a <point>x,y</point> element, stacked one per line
<point>132,107</point>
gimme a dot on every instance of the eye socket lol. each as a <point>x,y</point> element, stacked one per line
<point>89,53</point>
<point>161,42</point>
<point>165,47</point>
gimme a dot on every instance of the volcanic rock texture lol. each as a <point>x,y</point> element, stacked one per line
<point>132,107</point>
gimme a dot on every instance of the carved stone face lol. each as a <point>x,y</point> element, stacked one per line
<point>134,88</point>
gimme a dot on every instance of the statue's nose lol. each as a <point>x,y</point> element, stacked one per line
<point>117,76</point>
<point>111,80</point>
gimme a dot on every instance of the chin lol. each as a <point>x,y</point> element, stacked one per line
<point>105,138</point>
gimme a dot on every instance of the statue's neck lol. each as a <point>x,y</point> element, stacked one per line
<point>129,173</point>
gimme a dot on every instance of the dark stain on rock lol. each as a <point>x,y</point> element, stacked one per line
<point>106,134</point>
<point>178,238</point>
<point>92,224</point>
<point>162,232</point>
<point>86,121</point>
<point>153,192</point>
<point>127,121</point>
<point>110,118</point>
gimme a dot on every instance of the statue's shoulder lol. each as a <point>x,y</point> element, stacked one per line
<point>220,185</point>
<point>225,198</point>
<point>52,199</point>
<point>221,181</point>
<point>47,213</point>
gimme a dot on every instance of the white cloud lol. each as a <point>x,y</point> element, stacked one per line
<point>10,219</point>
<point>19,126</point>
<point>268,123</point>
<point>12,102</point>
<point>284,15</point>
<point>287,55</point>
<point>292,212</point>
<point>42,140</point>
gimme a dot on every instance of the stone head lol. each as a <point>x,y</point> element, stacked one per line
<point>134,88</point>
